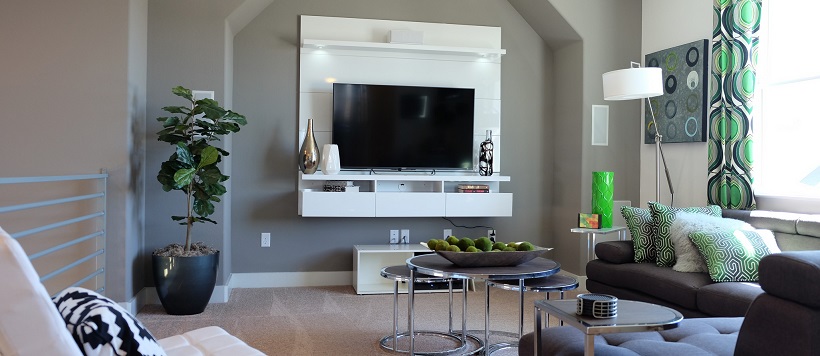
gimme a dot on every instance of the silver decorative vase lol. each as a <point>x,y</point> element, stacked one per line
<point>309,155</point>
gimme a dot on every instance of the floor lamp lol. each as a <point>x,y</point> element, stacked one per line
<point>640,83</point>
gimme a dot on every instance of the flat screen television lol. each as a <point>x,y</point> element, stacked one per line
<point>403,127</point>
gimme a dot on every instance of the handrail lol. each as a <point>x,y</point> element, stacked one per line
<point>97,256</point>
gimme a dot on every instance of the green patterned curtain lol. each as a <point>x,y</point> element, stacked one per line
<point>734,56</point>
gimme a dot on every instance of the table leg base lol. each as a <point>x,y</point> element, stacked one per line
<point>386,343</point>
<point>502,346</point>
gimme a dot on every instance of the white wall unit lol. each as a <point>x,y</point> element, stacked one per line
<point>396,195</point>
<point>346,50</point>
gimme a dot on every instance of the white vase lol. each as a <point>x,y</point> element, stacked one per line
<point>330,159</point>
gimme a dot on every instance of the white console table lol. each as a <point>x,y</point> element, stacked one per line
<point>368,260</point>
<point>402,195</point>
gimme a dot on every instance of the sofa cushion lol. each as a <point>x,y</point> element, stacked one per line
<point>687,256</point>
<point>727,298</point>
<point>101,327</point>
<point>734,256</point>
<point>615,251</point>
<point>664,216</point>
<point>663,283</point>
<point>640,224</point>
<point>29,322</point>
<point>211,340</point>
<point>710,336</point>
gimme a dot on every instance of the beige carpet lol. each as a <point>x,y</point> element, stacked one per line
<point>336,321</point>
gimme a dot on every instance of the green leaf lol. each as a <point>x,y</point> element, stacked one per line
<point>208,220</point>
<point>184,176</point>
<point>184,155</point>
<point>239,119</point>
<point>183,92</point>
<point>209,156</point>
<point>177,110</point>
<point>203,207</point>
<point>211,175</point>
<point>168,120</point>
<point>178,218</point>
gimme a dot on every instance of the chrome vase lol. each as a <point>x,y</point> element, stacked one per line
<point>309,155</point>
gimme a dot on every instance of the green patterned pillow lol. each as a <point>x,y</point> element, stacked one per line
<point>664,216</point>
<point>733,256</point>
<point>640,224</point>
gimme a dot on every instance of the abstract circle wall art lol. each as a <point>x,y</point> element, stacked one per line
<point>681,111</point>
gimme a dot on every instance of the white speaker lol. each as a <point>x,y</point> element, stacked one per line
<point>600,125</point>
<point>406,36</point>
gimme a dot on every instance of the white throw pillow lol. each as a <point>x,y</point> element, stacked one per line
<point>687,255</point>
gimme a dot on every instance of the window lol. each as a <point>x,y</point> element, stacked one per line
<point>787,108</point>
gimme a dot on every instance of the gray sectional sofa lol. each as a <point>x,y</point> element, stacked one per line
<point>694,294</point>
<point>783,320</point>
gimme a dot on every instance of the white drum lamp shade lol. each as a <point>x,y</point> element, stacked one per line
<point>633,83</point>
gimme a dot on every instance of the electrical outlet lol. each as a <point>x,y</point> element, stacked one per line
<point>265,239</point>
<point>491,234</point>
<point>394,236</point>
<point>405,236</point>
<point>448,233</point>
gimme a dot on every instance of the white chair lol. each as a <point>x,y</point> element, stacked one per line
<point>30,324</point>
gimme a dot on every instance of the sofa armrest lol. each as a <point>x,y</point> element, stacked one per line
<point>793,275</point>
<point>615,251</point>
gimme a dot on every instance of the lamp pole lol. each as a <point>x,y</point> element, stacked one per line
<point>658,157</point>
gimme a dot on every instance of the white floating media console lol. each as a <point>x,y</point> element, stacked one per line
<point>397,195</point>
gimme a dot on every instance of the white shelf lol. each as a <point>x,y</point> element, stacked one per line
<point>402,195</point>
<point>400,47</point>
<point>404,177</point>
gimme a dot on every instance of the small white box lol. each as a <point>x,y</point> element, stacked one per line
<point>406,36</point>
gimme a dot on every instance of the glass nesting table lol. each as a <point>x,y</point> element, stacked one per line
<point>435,265</point>
<point>632,316</point>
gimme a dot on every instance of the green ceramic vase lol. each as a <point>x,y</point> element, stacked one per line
<point>602,197</point>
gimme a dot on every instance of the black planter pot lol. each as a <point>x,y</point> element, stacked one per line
<point>185,284</point>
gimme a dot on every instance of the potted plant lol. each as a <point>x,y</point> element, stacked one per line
<point>185,275</point>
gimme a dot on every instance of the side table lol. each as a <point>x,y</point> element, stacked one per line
<point>588,251</point>
<point>632,317</point>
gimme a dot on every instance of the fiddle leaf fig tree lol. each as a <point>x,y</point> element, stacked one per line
<point>192,168</point>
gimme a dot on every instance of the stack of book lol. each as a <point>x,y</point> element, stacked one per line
<point>473,188</point>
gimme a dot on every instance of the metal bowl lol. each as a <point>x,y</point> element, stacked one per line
<point>491,259</point>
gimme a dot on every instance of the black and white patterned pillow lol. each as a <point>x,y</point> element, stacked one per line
<point>664,216</point>
<point>101,327</point>
<point>642,227</point>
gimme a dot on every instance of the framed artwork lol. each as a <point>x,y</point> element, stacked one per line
<point>681,111</point>
<point>589,221</point>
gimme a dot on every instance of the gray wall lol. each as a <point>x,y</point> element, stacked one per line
<point>70,105</point>
<point>264,178</point>
<point>186,46</point>
<point>611,35</point>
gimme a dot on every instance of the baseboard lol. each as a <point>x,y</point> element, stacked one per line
<point>291,279</point>
<point>222,293</point>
